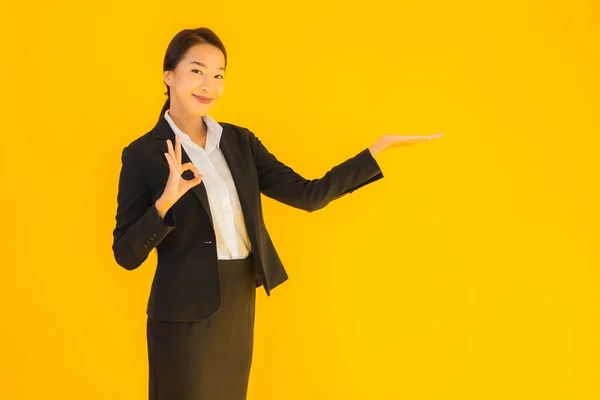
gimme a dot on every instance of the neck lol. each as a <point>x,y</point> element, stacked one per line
<point>192,126</point>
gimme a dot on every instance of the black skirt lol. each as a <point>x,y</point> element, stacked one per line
<point>208,359</point>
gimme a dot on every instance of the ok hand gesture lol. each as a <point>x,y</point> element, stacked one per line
<point>176,185</point>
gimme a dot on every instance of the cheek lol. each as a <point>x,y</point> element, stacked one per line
<point>191,83</point>
<point>185,84</point>
<point>220,87</point>
<point>181,85</point>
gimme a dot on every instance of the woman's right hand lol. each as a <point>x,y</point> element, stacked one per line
<point>176,185</point>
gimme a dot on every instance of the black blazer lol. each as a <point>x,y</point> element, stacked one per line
<point>186,281</point>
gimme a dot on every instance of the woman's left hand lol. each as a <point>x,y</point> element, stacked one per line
<point>389,141</point>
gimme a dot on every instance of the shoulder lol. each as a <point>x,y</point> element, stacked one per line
<point>239,133</point>
<point>235,130</point>
<point>141,145</point>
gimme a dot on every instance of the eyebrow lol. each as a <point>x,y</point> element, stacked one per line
<point>204,65</point>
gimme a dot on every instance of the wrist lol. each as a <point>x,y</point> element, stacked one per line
<point>377,148</point>
<point>161,207</point>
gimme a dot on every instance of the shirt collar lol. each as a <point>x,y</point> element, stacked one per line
<point>213,132</point>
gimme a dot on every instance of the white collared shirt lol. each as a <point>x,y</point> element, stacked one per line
<point>228,220</point>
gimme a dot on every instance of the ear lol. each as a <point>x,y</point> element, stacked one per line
<point>168,77</point>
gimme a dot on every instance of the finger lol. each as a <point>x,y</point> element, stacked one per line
<point>173,156</point>
<point>414,139</point>
<point>425,138</point>
<point>171,150</point>
<point>178,149</point>
<point>196,181</point>
<point>197,175</point>
<point>190,166</point>
<point>172,167</point>
<point>435,136</point>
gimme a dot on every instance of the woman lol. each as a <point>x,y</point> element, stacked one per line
<point>191,189</point>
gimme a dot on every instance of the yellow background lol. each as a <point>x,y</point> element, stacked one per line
<point>469,272</point>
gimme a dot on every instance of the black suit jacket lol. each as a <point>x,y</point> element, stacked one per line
<point>186,281</point>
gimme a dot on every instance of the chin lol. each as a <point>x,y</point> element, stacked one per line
<point>199,110</point>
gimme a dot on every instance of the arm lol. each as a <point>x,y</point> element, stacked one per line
<point>282,183</point>
<point>139,226</point>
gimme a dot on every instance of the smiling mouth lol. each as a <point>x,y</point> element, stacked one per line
<point>202,99</point>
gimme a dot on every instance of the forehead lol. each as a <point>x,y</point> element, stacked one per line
<point>206,54</point>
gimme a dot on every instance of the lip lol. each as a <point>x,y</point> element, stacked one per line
<point>203,99</point>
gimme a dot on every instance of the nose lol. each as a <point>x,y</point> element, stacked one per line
<point>205,84</point>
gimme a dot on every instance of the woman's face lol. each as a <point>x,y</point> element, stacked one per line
<point>198,80</point>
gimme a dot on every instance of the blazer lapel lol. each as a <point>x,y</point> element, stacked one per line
<point>233,157</point>
<point>163,132</point>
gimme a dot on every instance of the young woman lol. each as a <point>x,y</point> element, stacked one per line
<point>191,189</point>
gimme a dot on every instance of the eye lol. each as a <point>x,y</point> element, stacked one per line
<point>196,70</point>
<point>219,76</point>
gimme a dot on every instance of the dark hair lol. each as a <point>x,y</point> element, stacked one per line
<point>180,44</point>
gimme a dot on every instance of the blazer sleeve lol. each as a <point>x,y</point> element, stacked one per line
<point>139,228</point>
<point>282,183</point>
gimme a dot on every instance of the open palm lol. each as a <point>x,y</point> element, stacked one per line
<point>406,140</point>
